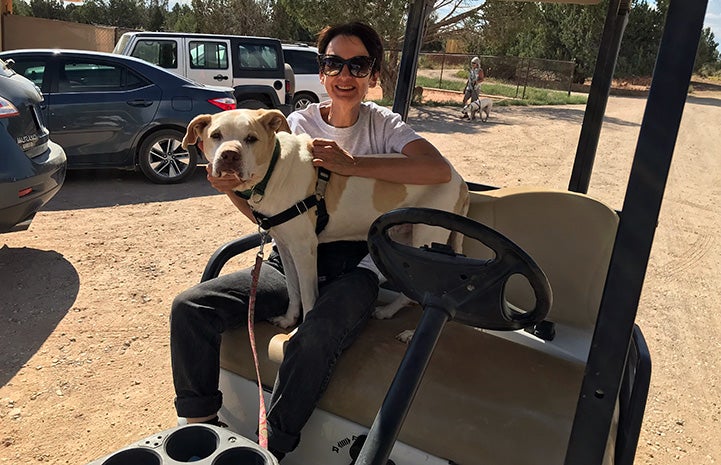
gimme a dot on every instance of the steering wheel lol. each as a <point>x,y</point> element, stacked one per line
<point>471,291</point>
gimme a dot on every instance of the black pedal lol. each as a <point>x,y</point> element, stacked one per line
<point>545,330</point>
<point>356,447</point>
<point>441,248</point>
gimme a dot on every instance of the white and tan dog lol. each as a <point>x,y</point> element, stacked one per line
<point>243,141</point>
<point>481,106</point>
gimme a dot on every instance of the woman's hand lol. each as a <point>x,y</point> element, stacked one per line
<point>223,184</point>
<point>328,155</point>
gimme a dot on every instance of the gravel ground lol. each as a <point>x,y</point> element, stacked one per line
<point>84,362</point>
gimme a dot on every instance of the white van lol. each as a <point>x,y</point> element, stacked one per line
<point>304,61</point>
<point>253,66</point>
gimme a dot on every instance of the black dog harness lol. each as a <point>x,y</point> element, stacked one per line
<point>316,199</point>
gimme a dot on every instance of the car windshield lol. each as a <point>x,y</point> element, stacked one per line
<point>120,46</point>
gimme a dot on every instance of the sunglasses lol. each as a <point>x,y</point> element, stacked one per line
<point>332,65</point>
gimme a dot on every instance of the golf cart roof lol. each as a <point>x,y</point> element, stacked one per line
<point>576,2</point>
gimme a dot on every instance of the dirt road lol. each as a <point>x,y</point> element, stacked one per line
<point>85,293</point>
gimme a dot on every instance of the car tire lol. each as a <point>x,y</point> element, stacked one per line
<point>302,100</point>
<point>251,104</point>
<point>163,160</point>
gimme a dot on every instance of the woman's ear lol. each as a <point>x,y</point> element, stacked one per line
<point>374,79</point>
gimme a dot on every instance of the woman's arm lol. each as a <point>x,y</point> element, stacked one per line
<point>420,163</point>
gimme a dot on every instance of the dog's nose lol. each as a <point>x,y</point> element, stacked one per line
<point>230,155</point>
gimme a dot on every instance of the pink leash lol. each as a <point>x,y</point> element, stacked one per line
<point>262,417</point>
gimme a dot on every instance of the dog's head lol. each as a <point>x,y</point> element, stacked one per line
<point>239,142</point>
<point>471,108</point>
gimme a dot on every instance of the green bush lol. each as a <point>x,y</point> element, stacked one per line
<point>710,70</point>
<point>445,84</point>
<point>425,63</point>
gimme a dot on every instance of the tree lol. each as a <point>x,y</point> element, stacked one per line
<point>641,38</point>
<point>90,12</point>
<point>286,27</point>
<point>50,9</point>
<point>550,31</point>
<point>707,55</point>
<point>156,12</point>
<point>129,14</point>
<point>242,17</point>
<point>181,19</point>
<point>125,13</point>
<point>500,26</point>
<point>575,34</point>
<point>21,8</point>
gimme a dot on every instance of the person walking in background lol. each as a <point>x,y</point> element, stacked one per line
<point>473,86</point>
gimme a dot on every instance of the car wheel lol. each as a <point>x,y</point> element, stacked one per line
<point>302,100</point>
<point>251,104</point>
<point>163,160</point>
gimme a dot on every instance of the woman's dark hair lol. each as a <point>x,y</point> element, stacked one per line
<point>370,38</point>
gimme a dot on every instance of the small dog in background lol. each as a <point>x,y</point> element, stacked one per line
<point>482,106</point>
<point>417,94</point>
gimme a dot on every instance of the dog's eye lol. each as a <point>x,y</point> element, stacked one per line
<point>250,139</point>
<point>216,135</point>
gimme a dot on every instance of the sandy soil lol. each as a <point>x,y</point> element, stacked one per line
<point>84,364</point>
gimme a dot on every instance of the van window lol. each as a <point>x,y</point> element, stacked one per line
<point>258,56</point>
<point>163,53</point>
<point>302,62</point>
<point>208,55</point>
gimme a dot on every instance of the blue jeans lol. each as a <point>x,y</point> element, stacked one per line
<point>471,93</point>
<point>200,315</point>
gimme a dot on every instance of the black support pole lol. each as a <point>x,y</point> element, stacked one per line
<point>409,60</point>
<point>389,420</point>
<point>616,20</point>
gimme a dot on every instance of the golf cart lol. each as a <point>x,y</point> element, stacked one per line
<point>525,349</point>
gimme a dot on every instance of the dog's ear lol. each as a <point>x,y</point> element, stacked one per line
<point>275,121</point>
<point>195,127</point>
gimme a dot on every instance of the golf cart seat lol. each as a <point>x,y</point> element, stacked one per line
<point>483,390</point>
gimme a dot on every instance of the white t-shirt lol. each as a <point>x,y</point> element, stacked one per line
<point>377,131</point>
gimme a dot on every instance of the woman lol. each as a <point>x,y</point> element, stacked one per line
<point>345,128</point>
<point>473,86</point>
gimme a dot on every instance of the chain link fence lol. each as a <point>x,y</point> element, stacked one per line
<point>521,72</point>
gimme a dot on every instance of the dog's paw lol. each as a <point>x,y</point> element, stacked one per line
<point>406,336</point>
<point>283,321</point>
<point>384,313</point>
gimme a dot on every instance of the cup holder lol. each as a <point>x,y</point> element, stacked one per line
<point>241,456</point>
<point>134,457</point>
<point>191,444</point>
